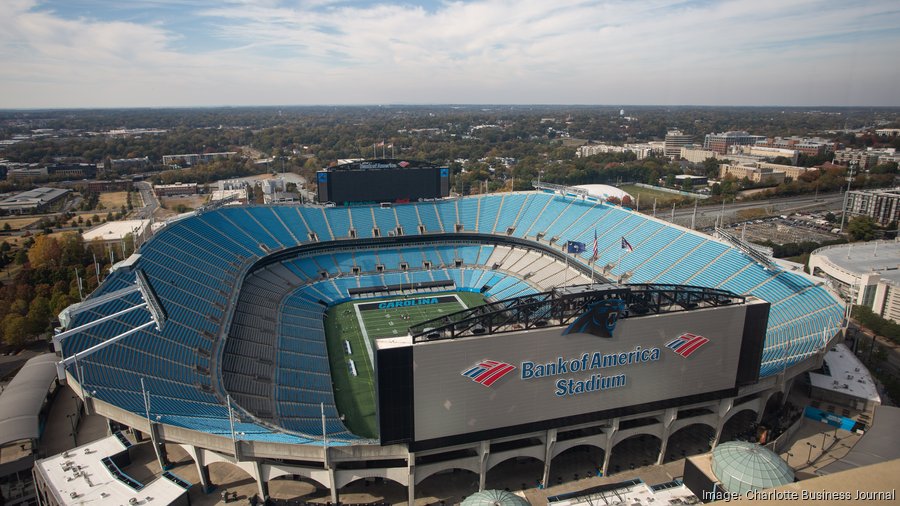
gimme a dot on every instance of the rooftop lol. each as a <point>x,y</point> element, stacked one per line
<point>862,258</point>
<point>847,375</point>
<point>115,230</point>
<point>79,476</point>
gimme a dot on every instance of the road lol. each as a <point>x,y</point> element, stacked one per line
<point>707,215</point>
<point>151,204</point>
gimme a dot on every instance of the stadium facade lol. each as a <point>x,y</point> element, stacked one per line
<point>239,372</point>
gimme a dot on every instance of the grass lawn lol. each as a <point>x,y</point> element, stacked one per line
<point>115,200</point>
<point>18,223</point>
<point>647,195</point>
<point>355,395</point>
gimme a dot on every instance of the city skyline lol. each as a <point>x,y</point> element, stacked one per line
<point>160,53</point>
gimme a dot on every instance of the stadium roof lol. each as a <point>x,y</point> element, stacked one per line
<point>21,401</point>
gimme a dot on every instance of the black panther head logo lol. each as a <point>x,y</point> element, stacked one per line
<point>599,320</point>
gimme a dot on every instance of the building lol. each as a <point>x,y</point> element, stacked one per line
<point>169,190</point>
<point>127,163</point>
<point>768,152</point>
<point>721,142</point>
<point>641,151</point>
<point>845,381</point>
<point>238,194</point>
<point>228,280</point>
<point>24,407</point>
<point>19,173</point>
<point>96,473</point>
<point>863,159</point>
<point>675,140</point>
<point>115,232</point>
<point>887,131</point>
<point>752,172</point>
<point>695,180</point>
<point>696,155</point>
<point>73,170</point>
<point>809,146</point>
<point>109,185</point>
<point>881,205</point>
<point>32,201</point>
<point>195,158</point>
<point>866,274</point>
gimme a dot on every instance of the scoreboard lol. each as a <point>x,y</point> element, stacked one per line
<point>382,181</point>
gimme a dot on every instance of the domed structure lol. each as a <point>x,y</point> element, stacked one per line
<point>494,498</point>
<point>604,191</point>
<point>741,467</point>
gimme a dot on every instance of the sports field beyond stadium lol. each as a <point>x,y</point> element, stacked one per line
<point>356,324</point>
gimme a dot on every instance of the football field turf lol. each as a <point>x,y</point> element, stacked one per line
<point>356,324</point>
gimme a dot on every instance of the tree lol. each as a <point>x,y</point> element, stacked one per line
<point>670,180</point>
<point>830,217</point>
<point>39,315</point>
<point>15,329</point>
<point>46,252</point>
<point>862,228</point>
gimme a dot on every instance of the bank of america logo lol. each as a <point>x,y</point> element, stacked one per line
<point>685,344</point>
<point>487,372</point>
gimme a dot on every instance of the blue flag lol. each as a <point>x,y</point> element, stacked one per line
<point>575,247</point>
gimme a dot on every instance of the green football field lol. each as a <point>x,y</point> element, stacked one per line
<point>359,323</point>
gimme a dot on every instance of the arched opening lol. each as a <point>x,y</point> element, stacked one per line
<point>447,487</point>
<point>373,490</point>
<point>778,417</point>
<point>297,488</point>
<point>740,427</point>
<point>631,453</point>
<point>689,440</point>
<point>576,463</point>
<point>517,473</point>
<point>230,479</point>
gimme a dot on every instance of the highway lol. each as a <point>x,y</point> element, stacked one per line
<point>707,215</point>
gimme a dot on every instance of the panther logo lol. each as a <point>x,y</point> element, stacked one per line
<point>599,320</point>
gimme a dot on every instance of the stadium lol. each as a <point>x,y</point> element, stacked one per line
<point>403,341</point>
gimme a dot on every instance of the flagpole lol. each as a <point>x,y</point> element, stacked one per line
<point>566,281</point>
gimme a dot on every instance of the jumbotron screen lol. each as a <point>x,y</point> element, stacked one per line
<point>503,384</point>
<point>382,181</point>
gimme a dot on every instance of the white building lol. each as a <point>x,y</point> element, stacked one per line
<point>867,274</point>
<point>114,232</point>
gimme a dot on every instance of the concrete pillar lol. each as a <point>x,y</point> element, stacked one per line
<point>199,460</point>
<point>549,442</point>
<point>610,439</point>
<point>411,478</point>
<point>158,446</point>
<point>484,450</point>
<point>138,435</point>
<point>664,442</point>
<point>333,485</point>
<point>669,416</point>
<point>261,484</point>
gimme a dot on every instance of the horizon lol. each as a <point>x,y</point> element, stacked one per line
<point>97,54</point>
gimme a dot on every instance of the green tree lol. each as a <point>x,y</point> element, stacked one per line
<point>670,180</point>
<point>39,315</point>
<point>862,228</point>
<point>15,329</point>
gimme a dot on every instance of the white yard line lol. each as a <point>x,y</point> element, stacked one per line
<point>366,340</point>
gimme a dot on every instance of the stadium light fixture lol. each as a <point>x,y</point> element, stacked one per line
<point>151,304</point>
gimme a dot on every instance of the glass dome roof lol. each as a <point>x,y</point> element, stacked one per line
<point>741,467</point>
<point>494,498</point>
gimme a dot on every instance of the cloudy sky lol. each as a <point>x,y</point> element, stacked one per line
<point>98,53</point>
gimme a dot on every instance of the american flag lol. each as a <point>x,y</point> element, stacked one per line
<point>626,244</point>
<point>687,343</point>
<point>487,372</point>
<point>595,255</point>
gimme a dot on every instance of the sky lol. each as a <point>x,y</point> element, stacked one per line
<point>162,53</point>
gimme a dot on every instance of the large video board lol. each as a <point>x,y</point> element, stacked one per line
<point>382,182</point>
<point>490,386</point>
